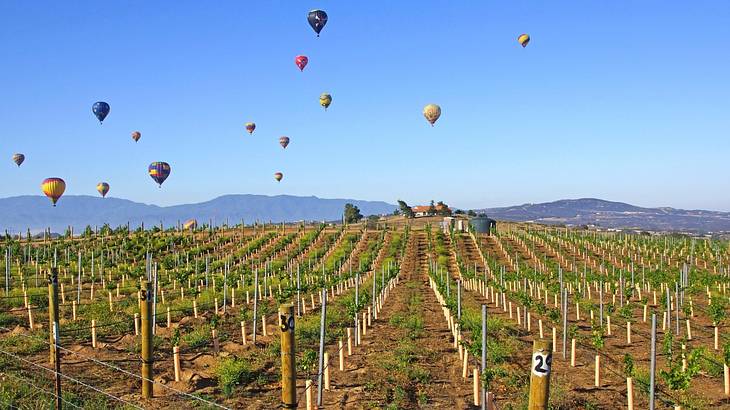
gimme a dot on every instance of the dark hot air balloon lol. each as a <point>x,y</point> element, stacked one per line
<point>317,19</point>
<point>250,126</point>
<point>101,110</point>
<point>284,141</point>
<point>18,159</point>
<point>278,176</point>
<point>103,188</point>
<point>159,171</point>
<point>301,62</point>
<point>136,135</point>
<point>53,188</point>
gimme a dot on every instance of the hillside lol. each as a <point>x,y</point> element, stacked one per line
<point>35,212</point>
<point>607,214</point>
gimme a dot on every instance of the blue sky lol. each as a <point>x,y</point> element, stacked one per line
<point>621,100</point>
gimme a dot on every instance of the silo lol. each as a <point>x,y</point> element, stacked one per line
<point>482,224</point>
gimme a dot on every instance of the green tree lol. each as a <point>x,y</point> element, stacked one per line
<point>405,210</point>
<point>431,208</point>
<point>352,214</point>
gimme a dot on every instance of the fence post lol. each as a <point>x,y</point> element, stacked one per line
<point>542,360</point>
<point>288,357</point>
<point>322,363</point>
<point>53,316</point>
<point>652,364</point>
<point>147,360</point>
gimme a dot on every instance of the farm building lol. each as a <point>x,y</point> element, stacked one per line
<point>426,210</point>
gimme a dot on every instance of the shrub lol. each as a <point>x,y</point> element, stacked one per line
<point>232,372</point>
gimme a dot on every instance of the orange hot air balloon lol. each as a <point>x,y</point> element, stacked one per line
<point>278,176</point>
<point>136,135</point>
<point>284,141</point>
<point>53,188</point>
<point>103,188</point>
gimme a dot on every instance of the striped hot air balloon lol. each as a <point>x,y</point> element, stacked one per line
<point>18,159</point>
<point>250,126</point>
<point>159,171</point>
<point>523,39</point>
<point>284,141</point>
<point>278,176</point>
<point>53,188</point>
<point>103,188</point>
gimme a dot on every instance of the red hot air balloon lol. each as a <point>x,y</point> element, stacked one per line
<point>284,141</point>
<point>136,135</point>
<point>301,62</point>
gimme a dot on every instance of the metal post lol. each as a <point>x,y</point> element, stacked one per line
<point>565,321</point>
<point>484,355</point>
<point>458,299</point>
<point>322,327</point>
<point>288,357</point>
<point>256,302</point>
<point>147,360</point>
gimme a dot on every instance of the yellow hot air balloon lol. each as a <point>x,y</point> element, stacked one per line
<point>325,100</point>
<point>190,224</point>
<point>103,188</point>
<point>432,112</point>
<point>53,188</point>
<point>523,39</point>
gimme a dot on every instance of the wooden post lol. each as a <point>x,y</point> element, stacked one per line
<point>288,357</point>
<point>476,386</point>
<point>597,377</point>
<point>136,324</point>
<point>52,312</point>
<point>93,333</point>
<point>726,376</point>
<point>349,341</point>
<point>326,371</point>
<point>341,351</point>
<point>169,319</point>
<point>176,357</point>
<point>308,394</point>
<point>572,352</point>
<point>243,331</point>
<point>147,321</point>
<point>542,359</point>
<point>628,333</point>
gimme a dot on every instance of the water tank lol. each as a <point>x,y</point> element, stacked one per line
<point>482,224</point>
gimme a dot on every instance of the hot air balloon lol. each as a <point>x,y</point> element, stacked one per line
<point>103,188</point>
<point>250,126</point>
<point>432,112</point>
<point>284,141</point>
<point>53,188</point>
<point>278,176</point>
<point>190,224</point>
<point>136,135</point>
<point>101,110</point>
<point>317,19</point>
<point>18,159</point>
<point>523,39</point>
<point>159,171</point>
<point>325,100</point>
<point>301,62</point>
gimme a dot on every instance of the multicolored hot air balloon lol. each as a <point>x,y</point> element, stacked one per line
<point>53,188</point>
<point>301,62</point>
<point>190,224</point>
<point>432,112</point>
<point>250,126</point>
<point>136,135</point>
<point>317,19</point>
<point>18,159</point>
<point>278,176</point>
<point>103,188</point>
<point>159,171</point>
<point>284,141</point>
<point>325,100</point>
<point>523,39</point>
<point>100,110</point>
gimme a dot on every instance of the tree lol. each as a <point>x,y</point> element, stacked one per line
<point>406,210</point>
<point>471,213</point>
<point>442,209</point>
<point>431,208</point>
<point>352,214</point>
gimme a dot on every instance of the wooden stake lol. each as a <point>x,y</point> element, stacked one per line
<point>326,371</point>
<point>630,393</point>
<point>542,357</point>
<point>176,361</point>
<point>288,358</point>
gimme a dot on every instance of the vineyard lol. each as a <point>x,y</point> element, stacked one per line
<point>402,314</point>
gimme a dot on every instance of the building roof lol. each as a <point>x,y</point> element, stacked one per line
<point>425,208</point>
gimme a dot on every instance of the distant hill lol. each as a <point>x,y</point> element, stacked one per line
<point>35,212</point>
<point>607,214</point>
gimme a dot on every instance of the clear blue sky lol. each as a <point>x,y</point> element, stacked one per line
<point>622,100</point>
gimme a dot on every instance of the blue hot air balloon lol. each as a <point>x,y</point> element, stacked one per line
<point>100,110</point>
<point>317,19</point>
<point>159,171</point>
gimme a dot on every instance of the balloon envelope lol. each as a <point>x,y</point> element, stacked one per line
<point>523,39</point>
<point>284,141</point>
<point>301,62</point>
<point>250,126</point>
<point>325,100</point>
<point>317,19</point>
<point>190,224</point>
<point>18,159</point>
<point>136,135</point>
<point>103,188</point>
<point>53,188</point>
<point>159,171</point>
<point>100,110</point>
<point>278,176</point>
<point>432,112</point>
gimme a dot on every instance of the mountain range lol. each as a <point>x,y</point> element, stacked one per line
<point>619,215</point>
<point>36,213</point>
